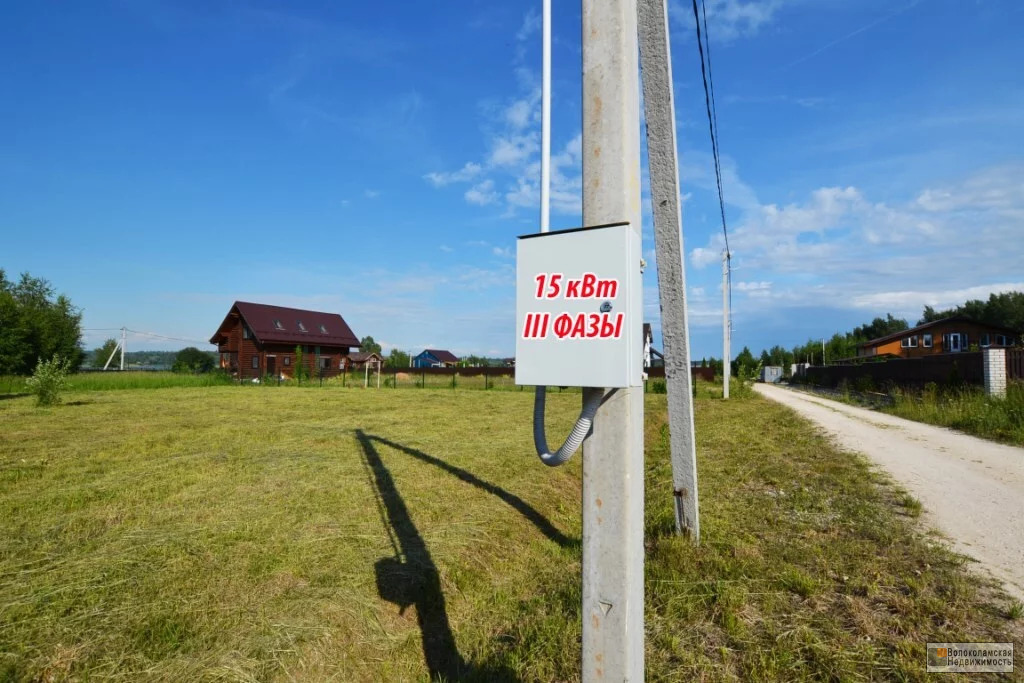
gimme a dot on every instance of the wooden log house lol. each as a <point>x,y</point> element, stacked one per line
<point>257,340</point>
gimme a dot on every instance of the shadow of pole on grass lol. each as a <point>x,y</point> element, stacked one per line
<point>521,506</point>
<point>411,579</point>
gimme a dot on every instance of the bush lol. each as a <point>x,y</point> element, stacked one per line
<point>48,380</point>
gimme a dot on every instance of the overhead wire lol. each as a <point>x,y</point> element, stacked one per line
<point>704,46</point>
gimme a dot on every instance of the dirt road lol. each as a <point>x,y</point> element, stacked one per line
<point>972,490</point>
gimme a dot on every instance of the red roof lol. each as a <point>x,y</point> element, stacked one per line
<point>442,355</point>
<point>292,325</point>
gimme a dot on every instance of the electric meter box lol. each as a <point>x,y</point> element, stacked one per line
<point>579,308</point>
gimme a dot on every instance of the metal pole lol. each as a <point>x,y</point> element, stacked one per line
<point>726,331</point>
<point>112,354</point>
<point>124,339</point>
<point>545,117</point>
<point>656,70</point>
<point>613,456</point>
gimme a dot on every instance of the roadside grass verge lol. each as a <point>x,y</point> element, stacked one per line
<point>202,533</point>
<point>967,409</point>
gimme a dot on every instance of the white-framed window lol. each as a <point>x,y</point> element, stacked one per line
<point>909,342</point>
<point>302,328</point>
<point>325,362</point>
<point>287,360</point>
<point>246,334</point>
<point>323,329</point>
<point>278,325</point>
<point>926,340</point>
<point>985,340</point>
<point>255,362</point>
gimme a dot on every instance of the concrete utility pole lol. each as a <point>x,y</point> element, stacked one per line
<point>124,339</point>
<point>726,327</point>
<point>613,461</point>
<point>656,71</point>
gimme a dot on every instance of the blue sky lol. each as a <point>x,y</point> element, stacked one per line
<point>162,159</point>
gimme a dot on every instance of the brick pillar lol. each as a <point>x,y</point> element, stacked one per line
<point>994,361</point>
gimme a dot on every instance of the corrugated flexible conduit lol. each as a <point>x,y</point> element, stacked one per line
<point>592,397</point>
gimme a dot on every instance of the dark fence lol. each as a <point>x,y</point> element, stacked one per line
<point>1015,364</point>
<point>943,369</point>
<point>706,374</point>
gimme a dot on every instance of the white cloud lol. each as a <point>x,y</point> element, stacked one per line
<point>937,298</point>
<point>838,249</point>
<point>509,174</point>
<point>464,174</point>
<point>727,19</point>
<point>513,150</point>
<point>531,24</point>
<point>372,194</point>
<point>446,249</point>
<point>482,193</point>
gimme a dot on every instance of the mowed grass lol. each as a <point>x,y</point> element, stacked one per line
<point>240,533</point>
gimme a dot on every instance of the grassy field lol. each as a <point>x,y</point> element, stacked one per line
<point>240,533</point>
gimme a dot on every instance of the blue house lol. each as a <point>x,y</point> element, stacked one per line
<point>435,358</point>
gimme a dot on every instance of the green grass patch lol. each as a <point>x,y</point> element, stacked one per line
<point>258,533</point>
<point>967,409</point>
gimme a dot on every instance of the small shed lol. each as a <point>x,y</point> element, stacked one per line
<point>771,374</point>
<point>360,359</point>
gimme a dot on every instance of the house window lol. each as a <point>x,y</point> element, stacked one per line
<point>323,329</point>
<point>909,342</point>
<point>278,325</point>
<point>985,340</point>
<point>1002,340</point>
<point>255,362</point>
<point>302,328</point>
<point>246,334</point>
<point>287,360</point>
<point>325,363</point>
<point>926,340</point>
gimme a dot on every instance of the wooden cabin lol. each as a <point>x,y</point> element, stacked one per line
<point>949,335</point>
<point>257,340</point>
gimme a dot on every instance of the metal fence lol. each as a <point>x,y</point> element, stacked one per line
<point>1015,364</point>
<point>943,369</point>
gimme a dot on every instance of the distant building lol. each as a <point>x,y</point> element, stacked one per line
<point>361,359</point>
<point>949,335</point>
<point>771,374</point>
<point>258,339</point>
<point>435,358</point>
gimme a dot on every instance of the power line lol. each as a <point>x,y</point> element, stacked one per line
<point>705,73</point>
<point>146,334</point>
<point>161,336</point>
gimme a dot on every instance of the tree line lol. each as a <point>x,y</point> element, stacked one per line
<point>36,323</point>
<point>999,310</point>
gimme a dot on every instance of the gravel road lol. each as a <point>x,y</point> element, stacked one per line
<point>972,490</point>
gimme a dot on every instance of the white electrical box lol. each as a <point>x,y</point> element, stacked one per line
<point>579,308</point>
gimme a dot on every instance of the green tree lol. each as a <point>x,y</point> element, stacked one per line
<point>368,345</point>
<point>191,359</point>
<point>301,371</point>
<point>879,327</point>
<point>35,323</point>
<point>397,359</point>
<point>744,359</point>
<point>1005,309</point>
<point>100,355</point>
